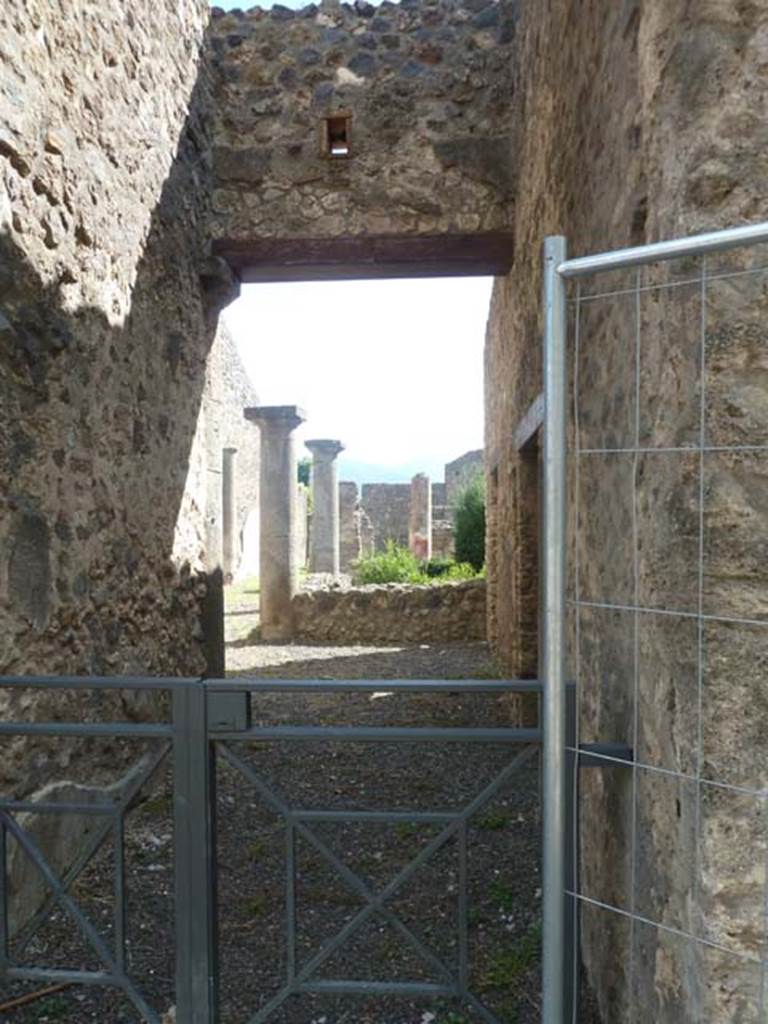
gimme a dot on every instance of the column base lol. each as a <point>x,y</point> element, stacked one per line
<point>276,631</point>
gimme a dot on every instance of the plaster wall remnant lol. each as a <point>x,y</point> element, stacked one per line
<point>199,533</point>
<point>355,528</point>
<point>640,151</point>
<point>324,533</point>
<point>303,526</point>
<point>420,517</point>
<point>228,512</point>
<point>429,177</point>
<point>443,545</point>
<point>279,570</point>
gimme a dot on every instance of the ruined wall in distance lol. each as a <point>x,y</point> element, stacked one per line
<point>388,507</point>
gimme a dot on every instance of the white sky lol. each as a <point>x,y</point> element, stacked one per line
<point>394,369</point>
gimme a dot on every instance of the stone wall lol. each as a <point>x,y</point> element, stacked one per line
<point>388,506</point>
<point>392,613</point>
<point>107,311</point>
<point>221,424</point>
<point>636,123</point>
<point>426,89</point>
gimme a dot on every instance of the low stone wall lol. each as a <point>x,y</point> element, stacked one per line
<point>392,613</point>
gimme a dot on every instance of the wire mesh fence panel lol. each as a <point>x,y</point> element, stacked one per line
<point>667,595</point>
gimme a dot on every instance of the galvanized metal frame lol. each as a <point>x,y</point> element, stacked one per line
<point>562,753</point>
<point>553,640</point>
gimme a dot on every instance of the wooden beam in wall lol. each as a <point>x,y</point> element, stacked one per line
<point>376,256</point>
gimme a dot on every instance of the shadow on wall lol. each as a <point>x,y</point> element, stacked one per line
<point>96,426</point>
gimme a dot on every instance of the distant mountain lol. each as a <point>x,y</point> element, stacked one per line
<point>373,473</point>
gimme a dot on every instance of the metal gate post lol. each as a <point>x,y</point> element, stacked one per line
<point>554,830</point>
<point>194,803</point>
<point>572,959</point>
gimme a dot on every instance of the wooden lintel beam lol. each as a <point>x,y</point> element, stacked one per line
<point>313,259</point>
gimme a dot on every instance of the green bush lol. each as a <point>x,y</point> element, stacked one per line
<point>400,565</point>
<point>469,525</point>
<point>304,471</point>
<point>457,571</point>
<point>438,566</point>
<point>395,565</point>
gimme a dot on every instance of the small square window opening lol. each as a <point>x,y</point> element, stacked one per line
<point>336,141</point>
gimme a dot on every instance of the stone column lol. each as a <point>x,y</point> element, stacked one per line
<point>420,523</point>
<point>278,568</point>
<point>228,514</point>
<point>324,540</point>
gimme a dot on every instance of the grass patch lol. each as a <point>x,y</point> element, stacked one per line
<point>508,967</point>
<point>404,829</point>
<point>399,565</point>
<point>159,806</point>
<point>51,1008</point>
<point>503,895</point>
<point>258,906</point>
<point>494,822</point>
<point>256,850</point>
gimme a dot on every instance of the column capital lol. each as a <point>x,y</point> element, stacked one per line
<point>286,417</point>
<point>325,446</point>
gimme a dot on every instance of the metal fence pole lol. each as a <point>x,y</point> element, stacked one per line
<point>572,959</point>
<point>554,365</point>
<point>195,866</point>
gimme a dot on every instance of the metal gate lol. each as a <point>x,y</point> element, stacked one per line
<point>211,724</point>
<point>636,592</point>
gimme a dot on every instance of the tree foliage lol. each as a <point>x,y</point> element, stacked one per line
<point>469,524</point>
<point>304,471</point>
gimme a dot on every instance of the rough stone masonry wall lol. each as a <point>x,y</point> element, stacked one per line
<point>428,88</point>
<point>392,613</point>
<point>641,121</point>
<point>106,317</point>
